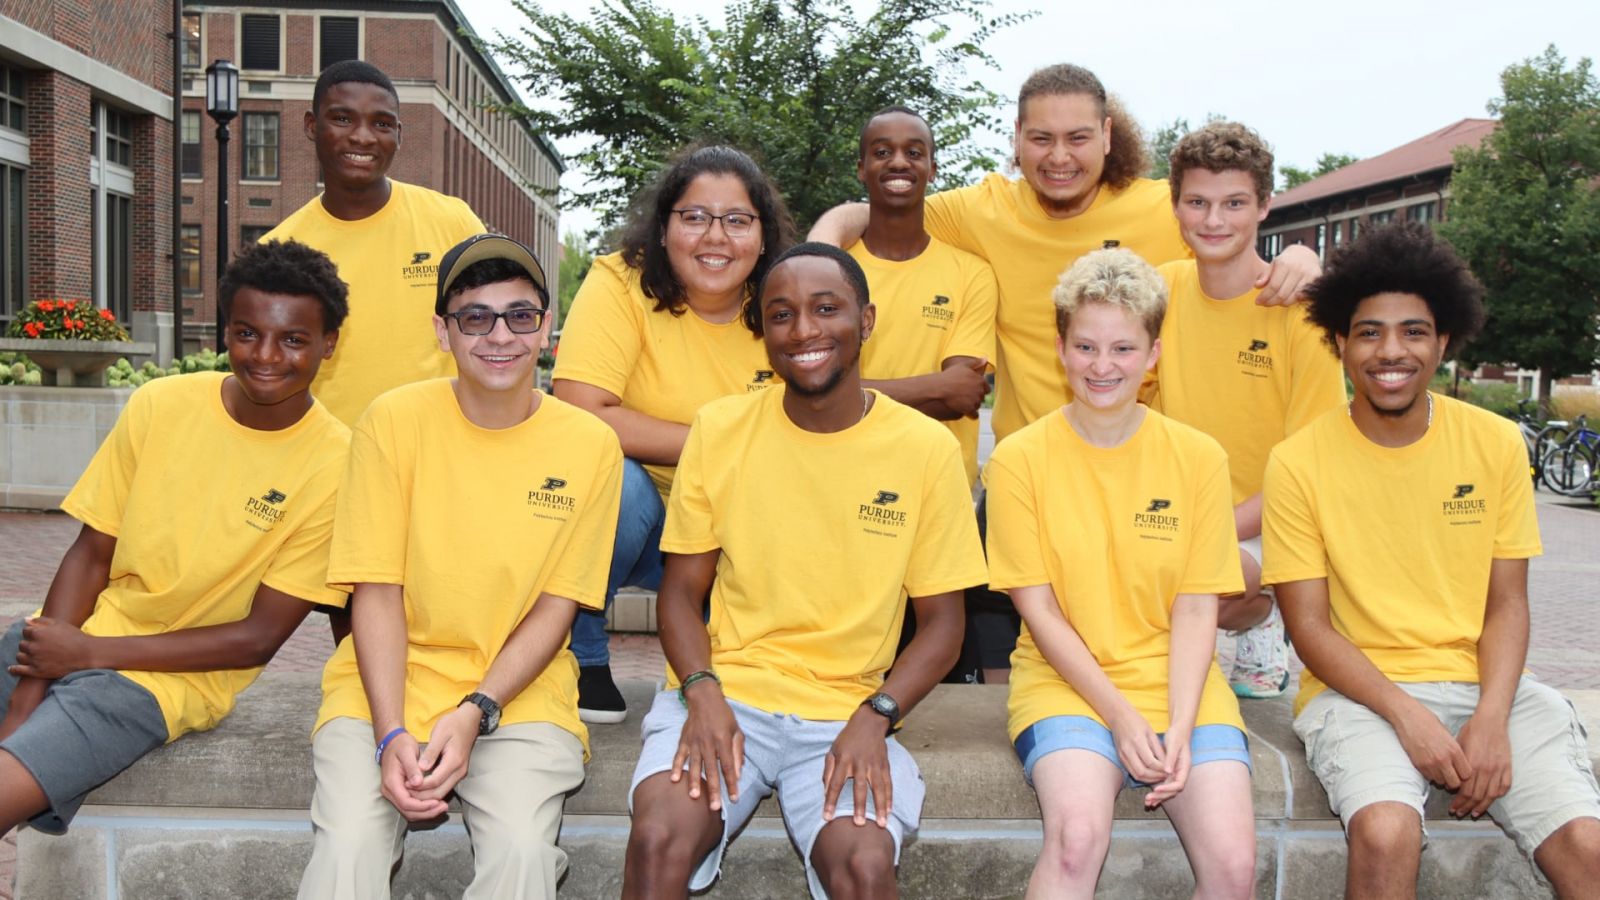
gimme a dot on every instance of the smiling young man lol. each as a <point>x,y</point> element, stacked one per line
<point>1081,159</point>
<point>206,520</point>
<point>934,330</point>
<point>1246,374</point>
<point>475,517</point>
<point>784,689</point>
<point>1397,536</point>
<point>385,236</point>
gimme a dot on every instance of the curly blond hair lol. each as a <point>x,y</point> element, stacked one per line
<point>1118,277</point>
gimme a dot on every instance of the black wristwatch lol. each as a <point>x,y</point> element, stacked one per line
<point>884,705</point>
<point>491,711</point>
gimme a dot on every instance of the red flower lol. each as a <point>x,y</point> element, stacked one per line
<point>72,304</point>
<point>32,328</point>
<point>47,306</point>
<point>106,314</point>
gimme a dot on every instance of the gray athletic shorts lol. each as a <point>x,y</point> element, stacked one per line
<point>786,754</point>
<point>91,725</point>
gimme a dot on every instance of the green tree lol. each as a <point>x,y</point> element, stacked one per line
<point>1160,143</point>
<point>1293,176</point>
<point>1525,214</point>
<point>576,259</point>
<point>792,81</point>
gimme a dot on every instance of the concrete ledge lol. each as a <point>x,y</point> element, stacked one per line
<point>223,814</point>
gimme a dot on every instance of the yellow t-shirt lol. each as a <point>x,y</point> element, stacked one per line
<point>205,511</point>
<point>1405,536</point>
<point>390,260</point>
<point>823,537</point>
<point>659,364</point>
<point>939,305</point>
<point>1118,533</point>
<point>1002,222</point>
<point>1247,375</point>
<point>476,524</point>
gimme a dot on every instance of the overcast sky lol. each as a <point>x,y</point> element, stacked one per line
<point>1361,77</point>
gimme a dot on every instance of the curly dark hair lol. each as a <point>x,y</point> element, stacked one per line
<point>643,236</point>
<point>1127,159</point>
<point>1401,258</point>
<point>288,267</point>
<point>848,267</point>
<point>1222,147</point>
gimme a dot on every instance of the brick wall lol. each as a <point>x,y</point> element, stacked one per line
<point>405,48</point>
<point>58,225</point>
<point>152,215</point>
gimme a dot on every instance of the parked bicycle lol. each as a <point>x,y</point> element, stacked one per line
<point>1539,436</point>
<point>1569,467</point>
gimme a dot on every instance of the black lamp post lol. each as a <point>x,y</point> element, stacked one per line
<point>222,104</point>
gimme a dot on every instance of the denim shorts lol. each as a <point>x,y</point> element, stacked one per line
<point>1208,744</point>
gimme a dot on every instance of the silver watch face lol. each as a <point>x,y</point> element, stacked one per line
<point>884,705</point>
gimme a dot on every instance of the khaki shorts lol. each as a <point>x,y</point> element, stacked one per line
<point>1359,760</point>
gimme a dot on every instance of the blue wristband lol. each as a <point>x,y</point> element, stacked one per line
<point>377,757</point>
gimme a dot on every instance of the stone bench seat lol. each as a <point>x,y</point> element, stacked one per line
<point>223,814</point>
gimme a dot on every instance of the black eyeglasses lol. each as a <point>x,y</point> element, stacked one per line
<point>521,320</point>
<point>734,224</point>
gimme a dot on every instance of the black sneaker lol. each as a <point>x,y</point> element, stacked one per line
<point>599,701</point>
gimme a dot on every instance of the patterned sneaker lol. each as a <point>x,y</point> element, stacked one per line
<point>599,701</point>
<point>1261,660</point>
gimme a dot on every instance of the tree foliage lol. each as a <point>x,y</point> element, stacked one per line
<point>576,259</point>
<point>791,81</point>
<point>1525,214</point>
<point>1294,176</point>
<point>1162,140</point>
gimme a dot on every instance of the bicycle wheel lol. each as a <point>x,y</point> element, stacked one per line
<point>1549,438</point>
<point>1569,470</point>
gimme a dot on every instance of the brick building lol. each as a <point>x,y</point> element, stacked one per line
<point>1410,182</point>
<point>86,158</point>
<point>505,172</point>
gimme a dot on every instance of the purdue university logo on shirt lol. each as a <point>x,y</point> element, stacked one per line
<point>764,378</point>
<point>1255,361</point>
<point>937,313</point>
<point>550,500</point>
<point>1462,508</point>
<point>263,513</point>
<point>1157,522</point>
<point>421,271</point>
<point>880,515</point>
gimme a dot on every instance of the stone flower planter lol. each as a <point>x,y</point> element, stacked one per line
<point>75,363</point>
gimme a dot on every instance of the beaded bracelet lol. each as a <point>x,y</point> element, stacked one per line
<point>693,677</point>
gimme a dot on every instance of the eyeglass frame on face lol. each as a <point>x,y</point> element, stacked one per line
<point>733,231</point>
<point>539,316</point>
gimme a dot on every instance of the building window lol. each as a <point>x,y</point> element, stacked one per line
<point>1338,233</point>
<point>260,145</point>
<point>1378,218</point>
<point>117,256</point>
<point>340,40</point>
<point>250,235</point>
<point>189,39</point>
<point>1322,240</point>
<point>189,146</point>
<point>258,43</point>
<point>1355,228</point>
<point>13,111</point>
<point>119,137</point>
<point>1422,212</point>
<point>13,215</point>
<point>189,259</point>
<point>1271,245</point>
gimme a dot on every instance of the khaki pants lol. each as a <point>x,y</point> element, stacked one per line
<point>515,786</point>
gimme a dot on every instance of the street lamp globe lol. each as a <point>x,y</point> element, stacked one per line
<point>222,91</point>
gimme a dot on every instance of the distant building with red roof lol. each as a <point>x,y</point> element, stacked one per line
<point>1411,181</point>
